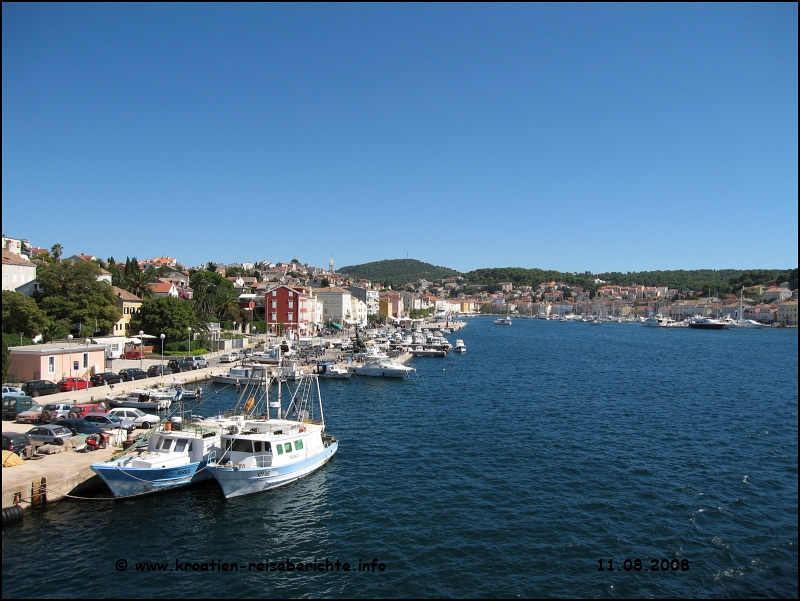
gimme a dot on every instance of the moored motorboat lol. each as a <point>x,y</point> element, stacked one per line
<point>239,374</point>
<point>657,321</point>
<point>382,368</point>
<point>708,323</point>
<point>428,352</point>
<point>333,371</point>
<point>460,347</point>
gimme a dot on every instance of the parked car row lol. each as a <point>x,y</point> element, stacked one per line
<point>37,388</point>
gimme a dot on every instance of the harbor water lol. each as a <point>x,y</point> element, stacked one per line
<point>550,460</point>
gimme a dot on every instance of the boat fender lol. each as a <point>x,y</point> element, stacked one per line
<point>12,514</point>
<point>249,404</point>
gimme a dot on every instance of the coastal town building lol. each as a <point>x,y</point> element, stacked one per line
<point>56,360</point>
<point>787,313</point>
<point>287,310</point>
<point>17,246</point>
<point>129,304</point>
<point>163,288</point>
<point>368,296</point>
<point>18,272</point>
<point>776,293</point>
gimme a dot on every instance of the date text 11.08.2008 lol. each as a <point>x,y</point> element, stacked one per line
<point>638,565</point>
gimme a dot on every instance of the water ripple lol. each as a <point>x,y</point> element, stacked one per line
<point>510,472</point>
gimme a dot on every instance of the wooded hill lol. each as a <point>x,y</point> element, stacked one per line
<point>723,281</point>
<point>399,272</point>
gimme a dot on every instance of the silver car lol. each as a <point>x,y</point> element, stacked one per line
<point>48,434</point>
<point>110,422</point>
<point>137,416</point>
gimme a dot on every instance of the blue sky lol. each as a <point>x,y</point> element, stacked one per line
<point>568,137</point>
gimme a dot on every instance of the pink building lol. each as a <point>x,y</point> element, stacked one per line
<point>56,360</point>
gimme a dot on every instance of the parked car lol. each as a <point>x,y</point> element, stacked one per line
<point>36,388</point>
<point>11,391</point>
<point>48,434</point>
<point>30,416</point>
<point>135,354</point>
<point>78,425</point>
<point>70,384</point>
<point>197,362</point>
<point>137,416</point>
<point>155,371</point>
<point>110,422</point>
<point>54,411</point>
<point>80,411</point>
<point>14,405</point>
<point>229,358</point>
<point>15,442</point>
<point>133,373</point>
<point>108,377</point>
<point>179,365</point>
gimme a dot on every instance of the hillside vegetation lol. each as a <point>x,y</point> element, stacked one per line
<point>722,281</point>
<point>398,272</point>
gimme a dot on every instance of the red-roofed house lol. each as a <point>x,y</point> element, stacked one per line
<point>161,288</point>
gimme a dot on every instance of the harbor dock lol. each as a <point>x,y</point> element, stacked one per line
<point>37,482</point>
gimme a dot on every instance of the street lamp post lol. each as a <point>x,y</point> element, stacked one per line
<point>189,329</point>
<point>88,341</point>
<point>141,354</point>
<point>69,337</point>
<point>162,353</point>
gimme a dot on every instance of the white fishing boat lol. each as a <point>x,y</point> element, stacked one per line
<point>503,321</point>
<point>460,347</point>
<point>382,368</point>
<point>176,455</point>
<point>272,452</point>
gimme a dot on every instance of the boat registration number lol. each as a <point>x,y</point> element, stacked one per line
<point>183,472</point>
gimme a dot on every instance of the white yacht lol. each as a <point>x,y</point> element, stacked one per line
<point>708,323</point>
<point>460,347</point>
<point>657,321</point>
<point>274,451</point>
<point>382,368</point>
<point>503,321</point>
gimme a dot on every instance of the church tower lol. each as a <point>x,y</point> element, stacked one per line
<point>330,265</point>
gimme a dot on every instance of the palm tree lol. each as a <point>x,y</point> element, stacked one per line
<point>56,251</point>
<point>228,305</point>
<point>138,283</point>
<point>54,331</point>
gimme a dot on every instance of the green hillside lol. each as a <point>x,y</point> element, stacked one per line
<point>397,272</point>
<point>723,280</point>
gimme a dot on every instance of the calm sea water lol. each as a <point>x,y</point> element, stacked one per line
<point>509,471</point>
